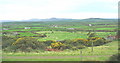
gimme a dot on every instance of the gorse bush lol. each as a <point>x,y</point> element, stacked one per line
<point>80,41</point>
<point>57,45</point>
<point>7,41</point>
<point>96,41</point>
<point>27,44</point>
<point>48,42</point>
<point>74,44</point>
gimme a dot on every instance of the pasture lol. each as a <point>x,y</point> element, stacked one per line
<point>100,53</point>
<point>14,33</point>
<point>62,35</point>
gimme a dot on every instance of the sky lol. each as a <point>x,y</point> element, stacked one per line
<point>42,9</point>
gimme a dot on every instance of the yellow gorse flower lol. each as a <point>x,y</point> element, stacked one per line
<point>80,39</point>
<point>56,44</point>
<point>19,39</point>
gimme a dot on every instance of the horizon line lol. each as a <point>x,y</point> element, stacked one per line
<point>54,17</point>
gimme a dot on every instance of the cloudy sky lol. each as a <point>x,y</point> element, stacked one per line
<point>76,9</point>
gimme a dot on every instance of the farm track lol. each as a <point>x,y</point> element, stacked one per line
<point>48,57</point>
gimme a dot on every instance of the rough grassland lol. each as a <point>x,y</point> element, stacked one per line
<point>100,53</point>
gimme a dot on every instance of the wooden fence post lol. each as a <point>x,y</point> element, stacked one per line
<point>81,55</point>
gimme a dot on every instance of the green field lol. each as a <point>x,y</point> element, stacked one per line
<point>16,36</point>
<point>60,35</point>
<point>100,53</point>
<point>105,28</point>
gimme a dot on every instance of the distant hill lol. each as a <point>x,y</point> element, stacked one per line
<point>50,19</point>
<point>6,20</point>
<point>98,19</point>
<point>59,19</point>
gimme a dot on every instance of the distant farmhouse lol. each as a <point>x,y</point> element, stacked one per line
<point>15,33</point>
<point>71,28</point>
<point>27,28</point>
<point>5,29</point>
<point>54,26</point>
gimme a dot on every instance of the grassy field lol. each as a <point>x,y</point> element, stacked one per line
<point>61,30</point>
<point>61,35</point>
<point>106,28</point>
<point>100,53</point>
<point>99,24</point>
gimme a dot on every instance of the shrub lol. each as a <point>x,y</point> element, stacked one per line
<point>79,41</point>
<point>7,41</point>
<point>81,47</point>
<point>57,45</point>
<point>48,42</point>
<point>96,41</point>
<point>27,44</point>
<point>67,46</point>
<point>74,48</point>
<point>99,42</point>
<point>74,44</point>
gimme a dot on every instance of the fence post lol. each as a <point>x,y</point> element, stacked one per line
<point>92,46</point>
<point>81,55</point>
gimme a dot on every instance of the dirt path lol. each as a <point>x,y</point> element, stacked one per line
<point>47,57</point>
